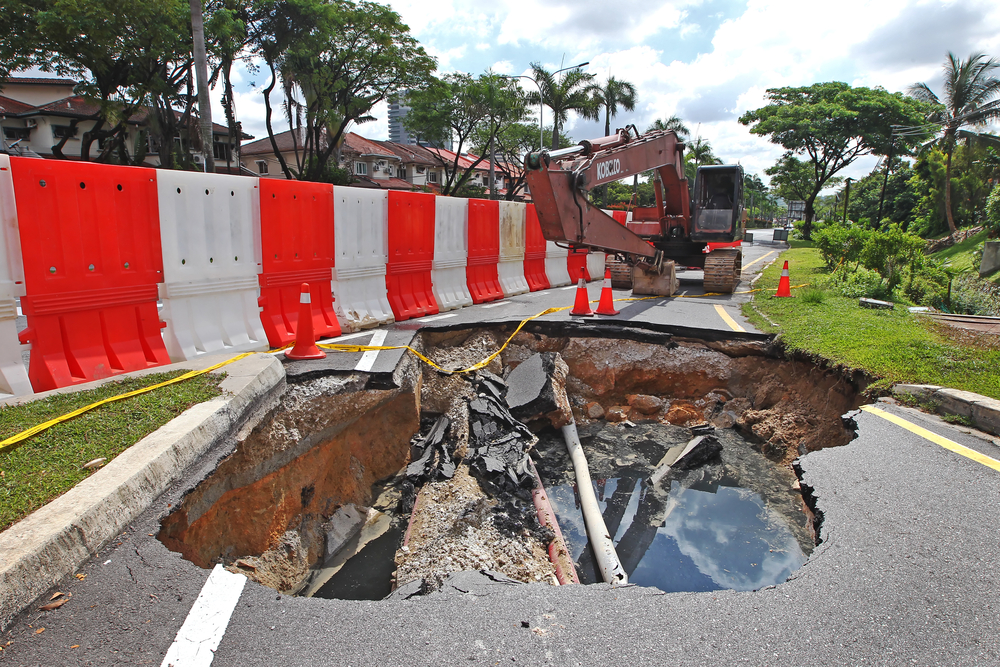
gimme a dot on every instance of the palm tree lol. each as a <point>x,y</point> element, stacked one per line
<point>969,92</point>
<point>610,96</point>
<point>673,123</point>
<point>570,92</point>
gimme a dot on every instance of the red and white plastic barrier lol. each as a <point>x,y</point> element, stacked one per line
<point>360,219</point>
<point>595,265</point>
<point>296,230</point>
<point>13,376</point>
<point>556,268</point>
<point>482,271</point>
<point>510,268</point>
<point>451,253</point>
<point>210,236</point>
<point>410,237</point>
<point>90,247</point>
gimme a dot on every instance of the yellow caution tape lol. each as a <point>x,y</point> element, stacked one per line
<point>34,430</point>
<point>475,367</point>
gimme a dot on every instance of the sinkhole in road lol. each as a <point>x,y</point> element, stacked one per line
<point>360,487</point>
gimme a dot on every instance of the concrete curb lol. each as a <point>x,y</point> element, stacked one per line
<point>56,539</point>
<point>982,411</point>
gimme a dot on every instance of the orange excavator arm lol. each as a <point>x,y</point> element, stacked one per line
<point>558,181</point>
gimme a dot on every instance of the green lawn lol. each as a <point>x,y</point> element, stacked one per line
<point>51,463</point>
<point>895,346</point>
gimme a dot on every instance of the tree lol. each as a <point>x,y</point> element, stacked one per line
<point>901,196</point>
<point>833,124</point>
<point>793,180</point>
<point>610,96</point>
<point>126,56</point>
<point>510,145</point>
<point>468,110</point>
<point>334,65</point>
<point>573,91</point>
<point>673,123</point>
<point>970,90</point>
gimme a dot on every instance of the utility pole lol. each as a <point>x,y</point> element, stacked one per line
<point>201,75</point>
<point>847,198</point>
<point>885,181</point>
<point>493,176</point>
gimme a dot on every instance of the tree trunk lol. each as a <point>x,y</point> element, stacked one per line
<point>947,194</point>
<point>267,122</point>
<point>201,73</point>
<point>555,131</point>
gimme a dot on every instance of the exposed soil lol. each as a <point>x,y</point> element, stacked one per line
<point>457,527</point>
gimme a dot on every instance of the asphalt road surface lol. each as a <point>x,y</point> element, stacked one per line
<point>905,574</point>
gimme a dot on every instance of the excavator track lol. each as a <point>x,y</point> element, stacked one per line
<point>722,270</point>
<point>621,272</point>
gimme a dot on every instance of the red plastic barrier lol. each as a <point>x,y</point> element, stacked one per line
<point>90,241</point>
<point>296,234</point>
<point>576,260</point>
<point>411,255</point>
<point>534,252</point>
<point>484,251</point>
<point>620,216</point>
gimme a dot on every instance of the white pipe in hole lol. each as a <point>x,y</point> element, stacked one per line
<point>597,532</point>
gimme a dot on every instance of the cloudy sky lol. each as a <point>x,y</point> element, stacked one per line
<point>706,60</point>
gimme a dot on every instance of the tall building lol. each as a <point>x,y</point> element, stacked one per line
<point>397,132</point>
<point>397,112</point>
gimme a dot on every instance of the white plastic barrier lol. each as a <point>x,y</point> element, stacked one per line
<point>13,376</point>
<point>451,253</point>
<point>512,244</point>
<point>595,265</point>
<point>360,218</point>
<point>210,234</point>
<point>556,269</point>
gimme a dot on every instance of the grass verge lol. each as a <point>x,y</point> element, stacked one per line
<point>893,345</point>
<point>51,463</point>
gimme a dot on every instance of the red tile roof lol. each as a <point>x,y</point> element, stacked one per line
<point>464,161</point>
<point>38,80</point>
<point>362,146</point>
<point>9,107</point>
<point>410,154</point>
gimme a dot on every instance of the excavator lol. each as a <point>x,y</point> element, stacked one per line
<point>702,231</point>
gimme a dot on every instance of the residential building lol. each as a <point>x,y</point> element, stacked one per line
<point>36,116</point>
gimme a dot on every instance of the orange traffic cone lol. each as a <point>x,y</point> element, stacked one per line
<point>582,305</point>
<point>607,304</point>
<point>784,286</point>
<point>305,339</point>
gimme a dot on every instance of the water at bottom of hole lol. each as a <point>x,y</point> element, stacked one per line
<point>368,574</point>
<point>731,525</point>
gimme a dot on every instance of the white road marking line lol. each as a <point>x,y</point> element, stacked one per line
<point>345,337</point>
<point>438,317</point>
<point>563,289</point>
<point>497,303</point>
<point>369,357</point>
<point>543,293</point>
<point>207,621</point>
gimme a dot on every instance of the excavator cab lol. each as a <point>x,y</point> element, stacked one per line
<point>717,204</point>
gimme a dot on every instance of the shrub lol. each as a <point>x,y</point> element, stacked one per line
<point>971,295</point>
<point>891,250</point>
<point>859,283</point>
<point>992,220</point>
<point>839,245</point>
<point>813,295</point>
